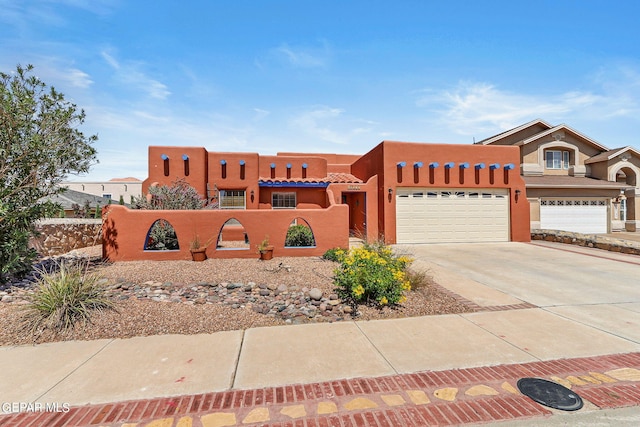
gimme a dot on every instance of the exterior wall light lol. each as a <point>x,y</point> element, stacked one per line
<point>449,165</point>
<point>272,165</point>
<point>494,166</point>
<point>164,157</point>
<point>509,166</point>
<point>518,193</point>
<point>402,164</point>
<point>223,162</point>
<point>434,165</point>
<point>390,191</point>
<point>185,157</point>
<point>304,166</point>
<point>464,165</point>
<point>479,165</point>
<point>417,164</point>
<point>241,162</point>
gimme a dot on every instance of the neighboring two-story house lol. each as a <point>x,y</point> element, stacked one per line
<point>573,182</point>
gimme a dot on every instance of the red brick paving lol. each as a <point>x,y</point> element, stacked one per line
<point>463,410</point>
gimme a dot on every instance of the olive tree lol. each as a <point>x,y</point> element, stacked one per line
<point>40,145</point>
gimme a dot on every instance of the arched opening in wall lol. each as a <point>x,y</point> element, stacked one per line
<point>299,234</point>
<point>161,237</point>
<point>627,176</point>
<point>624,206</point>
<point>233,236</point>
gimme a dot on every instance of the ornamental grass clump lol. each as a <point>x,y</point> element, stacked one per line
<point>373,274</point>
<point>64,297</point>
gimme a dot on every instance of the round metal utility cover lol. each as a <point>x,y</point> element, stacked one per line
<point>550,394</point>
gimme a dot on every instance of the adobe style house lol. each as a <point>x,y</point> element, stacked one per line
<point>402,192</point>
<point>573,182</point>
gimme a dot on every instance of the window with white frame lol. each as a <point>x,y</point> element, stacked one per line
<point>232,199</point>
<point>556,159</point>
<point>283,200</point>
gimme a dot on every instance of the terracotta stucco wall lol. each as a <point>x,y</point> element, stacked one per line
<point>316,167</point>
<point>408,176</point>
<point>368,166</point>
<point>306,198</point>
<point>367,191</point>
<point>125,231</point>
<point>176,167</point>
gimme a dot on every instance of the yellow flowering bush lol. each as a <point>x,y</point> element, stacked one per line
<point>334,254</point>
<point>372,274</point>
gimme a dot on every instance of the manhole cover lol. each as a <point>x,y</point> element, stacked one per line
<point>550,394</point>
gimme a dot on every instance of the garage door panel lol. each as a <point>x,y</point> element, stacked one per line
<point>587,216</point>
<point>446,215</point>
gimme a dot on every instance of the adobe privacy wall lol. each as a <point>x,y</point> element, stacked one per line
<point>125,231</point>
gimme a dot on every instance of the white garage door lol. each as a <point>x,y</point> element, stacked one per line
<point>428,215</point>
<point>582,216</point>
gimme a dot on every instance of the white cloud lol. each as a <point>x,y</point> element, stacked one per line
<point>476,108</point>
<point>303,57</point>
<point>260,113</point>
<point>79,78</point>
<point>330,124</point>
<point>129,73</point>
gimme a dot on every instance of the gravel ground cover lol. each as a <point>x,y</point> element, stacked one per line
<point>142,316</point>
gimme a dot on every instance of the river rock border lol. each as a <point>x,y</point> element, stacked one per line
<point>589,240</point>
<point>290,303</point>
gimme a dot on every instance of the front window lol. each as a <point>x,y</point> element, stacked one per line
<point>232,199</point>
<point>556,159</point>
<point>283,200</point>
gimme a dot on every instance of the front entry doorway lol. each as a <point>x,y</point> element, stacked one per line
<point>357,212</point>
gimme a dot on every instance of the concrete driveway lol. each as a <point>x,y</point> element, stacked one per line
<point>592,287</point>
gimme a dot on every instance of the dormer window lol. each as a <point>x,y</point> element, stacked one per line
<point>556,159</point>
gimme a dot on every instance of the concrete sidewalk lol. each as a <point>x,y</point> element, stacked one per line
<point>101,371</point>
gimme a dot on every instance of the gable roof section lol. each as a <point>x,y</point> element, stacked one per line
<point>565,128</point>
<point>506,133</point>
<point>608,155</point>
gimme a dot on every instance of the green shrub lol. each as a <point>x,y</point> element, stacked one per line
<point>64,297</point>
<point>334,254</point>
<point>373,274</point>
<point>162,237</point>
<point>299,235</point>
<point>16,257</point>
<point>178,195</point>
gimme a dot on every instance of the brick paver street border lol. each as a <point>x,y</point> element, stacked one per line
<point>454,397</point>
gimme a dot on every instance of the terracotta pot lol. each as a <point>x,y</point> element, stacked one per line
<point>267,253</point>
<point>199,254</point>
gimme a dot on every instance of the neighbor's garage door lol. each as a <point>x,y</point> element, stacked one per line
<point>581,216</point>
<point>427,215</point>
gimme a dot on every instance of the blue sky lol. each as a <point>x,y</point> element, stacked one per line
<point>327,76</point>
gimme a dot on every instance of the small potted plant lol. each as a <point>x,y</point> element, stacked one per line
<point>265,249</point>
<point>198,250</point>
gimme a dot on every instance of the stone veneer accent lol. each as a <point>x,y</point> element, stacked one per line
<point>61,235</point>
<point>589,240</point>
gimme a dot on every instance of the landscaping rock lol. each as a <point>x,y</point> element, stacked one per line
<point>315,294</point>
